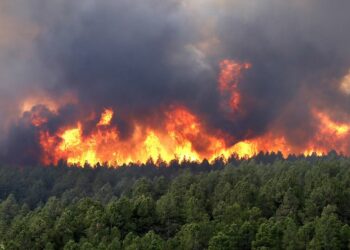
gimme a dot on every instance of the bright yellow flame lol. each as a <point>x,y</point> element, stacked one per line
<point>245,149</point>
<point>185,152</point>
<point>183,137</point>
<point>310,152</point>
<point>338,128</point>
<point>153,147</point>
<point>86,157</point>
<point>106,117</point>
<point>71,138</point>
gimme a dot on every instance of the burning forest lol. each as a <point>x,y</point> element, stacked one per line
<point>117,82</point>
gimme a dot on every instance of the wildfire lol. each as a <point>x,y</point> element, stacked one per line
<point>230,75</point>
<point>106,117</point>
<point>181,134</point>
<point>183,137</point>
<point>339,129</point>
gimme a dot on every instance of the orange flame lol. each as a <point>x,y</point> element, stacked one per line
<point>339,129</point>
<point>106,117</point>
<point>230,75</point>
<point>182,131</point>
<point>182,135</point>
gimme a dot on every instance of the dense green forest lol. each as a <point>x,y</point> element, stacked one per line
<point>261,203</point>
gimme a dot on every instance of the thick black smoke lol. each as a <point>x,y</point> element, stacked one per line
<point>142,57</point>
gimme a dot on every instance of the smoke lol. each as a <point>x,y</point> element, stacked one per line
<point>142,57</point>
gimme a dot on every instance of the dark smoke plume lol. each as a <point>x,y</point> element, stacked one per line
<point>141,57</point>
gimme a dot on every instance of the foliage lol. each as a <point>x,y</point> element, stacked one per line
<point>299,203</point>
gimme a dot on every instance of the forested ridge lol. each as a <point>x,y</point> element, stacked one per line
<point>260,203</point>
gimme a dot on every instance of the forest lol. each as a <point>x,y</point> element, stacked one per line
<point>266,202</point>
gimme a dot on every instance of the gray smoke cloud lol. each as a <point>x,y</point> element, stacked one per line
<point>142,57</point>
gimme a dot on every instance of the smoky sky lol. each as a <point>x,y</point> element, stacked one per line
<point>142,57</point>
